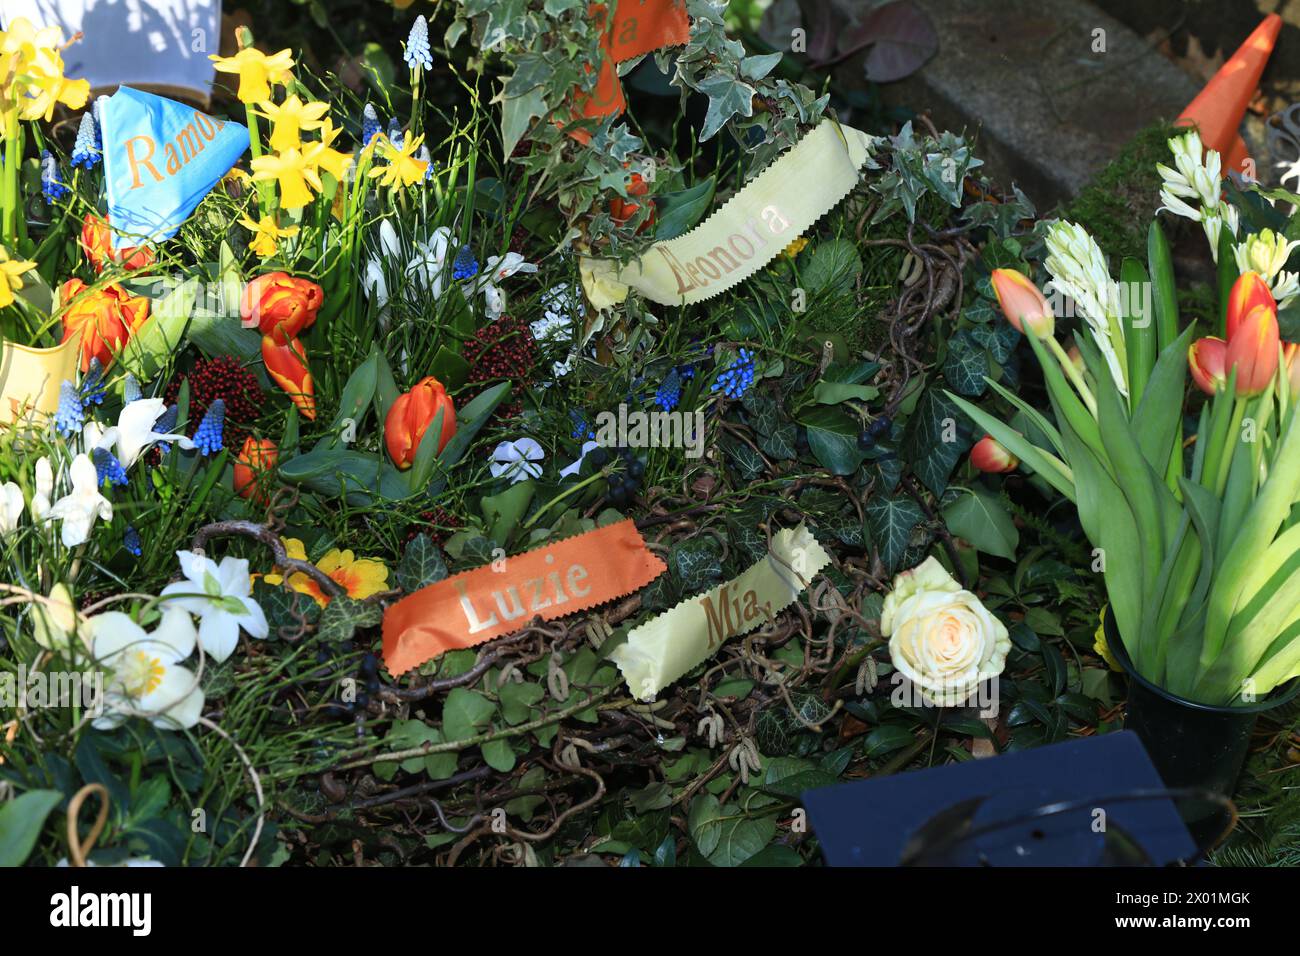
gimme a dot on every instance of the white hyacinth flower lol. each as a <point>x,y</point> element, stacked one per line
<point>1078,269</point>
<point>1192,189</point>
<point>1267,253</point>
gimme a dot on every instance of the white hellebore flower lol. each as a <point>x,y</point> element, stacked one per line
<point>374,283</point>
<point>146,679</point>
<point>1196,181</point>
<point>517,460</point>
<point>941,637</point>
<point>498,269</point>
<point>44,490</point>
<point>1078,269</point>
<point>134,433</point>
<point>11,507</point>
<point>1266,252</point>
<point>79,508</point>
<point>218,594</point>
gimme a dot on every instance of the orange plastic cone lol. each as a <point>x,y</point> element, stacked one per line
<point>1219,108</point>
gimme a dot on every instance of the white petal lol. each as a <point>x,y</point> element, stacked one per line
<point>218,634</point>
<point>111,633</point>
<point>175,632</point>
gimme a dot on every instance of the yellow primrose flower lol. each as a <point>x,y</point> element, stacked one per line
<point>796,246</point>
<point>290,118</point>
<point>323,156</point>
<point>266,235</point>
<point>11,272</point>
<point>403,168</point>
<point>294,174</point>
<point>257,71</point>
<point>359,577</point>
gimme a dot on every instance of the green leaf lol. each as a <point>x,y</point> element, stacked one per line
<point>980,518</point>
<point>343,616</point>
<point>162,334</point>
<point>741,839</point>
<point>498,755</point>
<point>678,212</point>
<point>727,98</point>
<point>422,564</point>
<point>832,393</point>
<point>934,442</point>
<point>697,562</point>
<point>886,739</point>
<point>890,522</point>
<point>704,823</point>
<point>517,700</point>
<point>966,365</point>
<point>833,438</point>
<point>502,512</point>
<point>21,822</point>
<point>833,264</point>
<point>449,368</point>
<point>465,713</point>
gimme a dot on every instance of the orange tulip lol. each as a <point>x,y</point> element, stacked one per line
<point>1249,292</point>
<point>410,417</point>
<point>1022,303</point>
<point>97,244</point>
<point>1252,351</point>
<point>106,318</point>
<point>990,455</point>
<point>256,459</point>
<point>287,365</point>
<point>1207,361</point>
<point>279,305</point>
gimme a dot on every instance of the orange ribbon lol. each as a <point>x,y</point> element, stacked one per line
<point>639,26</point>
<point>548,582</point>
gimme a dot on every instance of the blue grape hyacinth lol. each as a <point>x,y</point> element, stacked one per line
<point>92,385</point>
<point>165,425</point>
<point>207,437</point>
<point>51,178</point>
<point>130,390</point>
<point>85,152</point>
<point>464,266</point>
<point>669,393</point>
<point>417,53</point>
<point>70,417</point>
<point>370,125</point>
<point>395,134</point>
<point>736,377</point>
<point>131,540</point>
<point>107,467</point>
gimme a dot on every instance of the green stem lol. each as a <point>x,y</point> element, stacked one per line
<point>561,496</point>
<point>1072,374</point>
<point>264,197</point>
<point>1233,436</point>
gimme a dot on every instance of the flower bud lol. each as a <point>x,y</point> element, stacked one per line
<point>1248,292</point>
<point>410,417</point>
<point>990,455</point>
<point>286,363</point>
<point>97,244</point>
<point>1253,351</point>
<point>256,458</point>
<point>1207,361</point>
<point>278,305</point>
<point>1022,303</point>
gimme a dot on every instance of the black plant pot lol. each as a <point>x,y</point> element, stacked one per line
<point>1191,744</point>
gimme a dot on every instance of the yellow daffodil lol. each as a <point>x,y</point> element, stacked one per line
<point>11,271</point>
<point>257,71</point>
<point>294,174</point>
<point>1100,646</point>
<point>290,118</point>
<point>322,156</point>
<point>403,168</point>
<point>47,87</point>
<point>267,235</point>
<point>359,577</point>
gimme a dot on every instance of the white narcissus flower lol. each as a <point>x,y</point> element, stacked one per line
<point>79,508</point>
<point>429,263</point>
<point>217,594</point>
<point>1267,252</point>
<point>1078,269</point>
<point>55,621</point>
<point>146,679</point>
<point>11,507</point>
<point>374,284</point>
<point>44,489</point>
<point>941,637</point>
<point>517,460</point>
<point>134,433</point>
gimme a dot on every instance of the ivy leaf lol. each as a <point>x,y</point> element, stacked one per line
<point>421,565</point>
<point>697,563</point>
<point>465,713</point>
<point>890,522</point>
<point>979,518</point>
<point>284,607</point>
<point>780,442</point>
<point>728,97</point>
<point>518,699</point>
<point>343,616</point>
<point>747,461</point>
<point>499,755</point>
<point>517,115</point>
<point>937,437</point>
<point>966,366</point>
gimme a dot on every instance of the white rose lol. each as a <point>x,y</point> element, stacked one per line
<point>940,636</point>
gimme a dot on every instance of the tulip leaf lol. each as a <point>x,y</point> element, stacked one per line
<point>1030,455</point>
<point>678,212</point>
<point>1164,293</point>
<point>503,512</point>
<point>1139,327</point>
<point>1157,421</point>
<point>163,333</point>
<point>426,455</point>
<point>358,394</point>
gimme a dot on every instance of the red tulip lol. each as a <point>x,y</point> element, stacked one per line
<point>1207,361</point>
<point>1291,359</point>
<point>279,305</point>
<point>1252,351</point>
<point>1249,292</point>
<point>287,365</point>
<point>1022,303</point>
<point>410,417</point>
<point>256,458</point>
<point>106,317</point>
<point>990,455</point>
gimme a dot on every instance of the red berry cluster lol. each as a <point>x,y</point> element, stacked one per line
<point>221,377</point>
<point>504,349</point>
<point>438,524</point>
